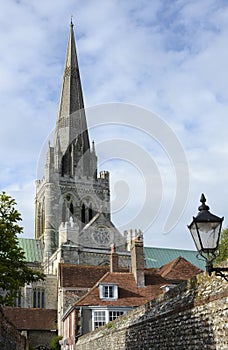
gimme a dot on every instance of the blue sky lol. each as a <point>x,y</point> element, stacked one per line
<point>168,57</point>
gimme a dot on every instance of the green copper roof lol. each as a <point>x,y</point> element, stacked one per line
<point>157,257</point>
<point>32,249</point>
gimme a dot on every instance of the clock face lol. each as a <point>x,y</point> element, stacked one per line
<point>101,235</point>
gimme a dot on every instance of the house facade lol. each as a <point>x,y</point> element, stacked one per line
<point>117,292</point>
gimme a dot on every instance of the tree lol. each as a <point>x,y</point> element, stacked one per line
<point>54,343</point>
<point>223,247</point>
<point>14,271</point>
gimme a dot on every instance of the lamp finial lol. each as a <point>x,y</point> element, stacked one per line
<point>203,206</point>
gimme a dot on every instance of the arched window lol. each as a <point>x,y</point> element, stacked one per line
<point>64,212</point>
<point>38,298</point>
<point>63,166</point>
<point>42,219</point>
<point>71,159</point>
<point>90,212</point>
<point>71,208</point>
<point>83,212</point>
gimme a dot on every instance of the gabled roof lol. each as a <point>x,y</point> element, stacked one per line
<point>32,319</point>
<point>101,219</point>
<point>179,269</point>
<point>32,249</point>
<point>128,294</point>
<point>157,257</point>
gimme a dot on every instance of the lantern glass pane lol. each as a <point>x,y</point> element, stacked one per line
<point>195,237</point>
<point>209,235</point>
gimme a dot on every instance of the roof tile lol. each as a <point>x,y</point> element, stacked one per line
<point>32,319</point>
<point>71,275</point>
<point>179,269</point>
<point>128,293</point>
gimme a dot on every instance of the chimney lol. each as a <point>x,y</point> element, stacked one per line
<point>114,259</point>
<point>137,261</point>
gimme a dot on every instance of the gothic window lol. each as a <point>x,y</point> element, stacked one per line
<point>71,208</point>
<point>64,212</point>
<point>71,158</point>
<point>42,219</point>
<point>63,166</point>
<point>38,298</point>
<point>18,299</point>
<point>83,212</point>
<point>90,212</point>
<point>68,209</point>
<point>87,212</point>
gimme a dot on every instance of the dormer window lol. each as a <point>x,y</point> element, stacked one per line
<point>108,291</point>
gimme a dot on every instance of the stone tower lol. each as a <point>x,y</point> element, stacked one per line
<point>72,205</point>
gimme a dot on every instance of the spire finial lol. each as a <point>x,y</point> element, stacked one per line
<point>71,20</point>
<point>93,146</point>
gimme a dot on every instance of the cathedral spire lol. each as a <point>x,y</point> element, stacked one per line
<point>71,99</point>
<point>71,127</point>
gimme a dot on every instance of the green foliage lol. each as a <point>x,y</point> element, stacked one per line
<point>109,325</point>
<point>14,272</point>
<point>54,343</point>
<point>223,247</point>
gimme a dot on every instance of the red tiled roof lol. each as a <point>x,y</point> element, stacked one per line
<point>81,276</point>
<point>179,269</point>
<point>31,319</point>
<point>128,293</point>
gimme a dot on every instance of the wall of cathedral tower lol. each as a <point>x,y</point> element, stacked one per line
<point>71,190</point>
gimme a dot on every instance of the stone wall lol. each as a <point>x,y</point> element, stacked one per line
<point>194,315</point>
<point>50,284</point>
<point>10,338</point>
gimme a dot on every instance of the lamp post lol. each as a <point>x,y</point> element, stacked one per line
<point>205,230</point>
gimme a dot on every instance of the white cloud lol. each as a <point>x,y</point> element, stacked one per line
<point>170,57</point>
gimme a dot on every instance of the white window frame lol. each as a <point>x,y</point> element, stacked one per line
<point>106,315</point>
<point>99,316</point>
<point>108,291</point>
<point>114,314</point>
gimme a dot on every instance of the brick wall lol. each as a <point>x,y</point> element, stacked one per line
<point>10,338</point>
<point>192,316</point>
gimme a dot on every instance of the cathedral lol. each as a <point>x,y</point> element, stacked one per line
<point>72,213</point>
<point>75,241</point>
<point>73,228</point>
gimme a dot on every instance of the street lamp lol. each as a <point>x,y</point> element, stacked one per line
<point>205,230</point>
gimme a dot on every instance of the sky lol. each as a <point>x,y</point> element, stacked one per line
<point>156,70</point>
